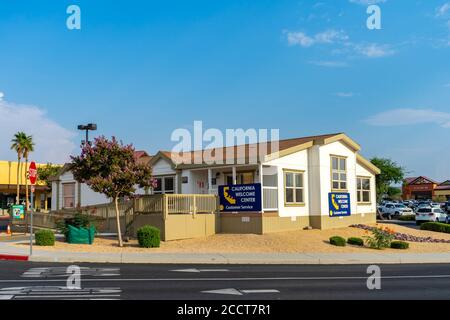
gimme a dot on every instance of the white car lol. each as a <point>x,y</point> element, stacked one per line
<point>396,209</point>
<point>431,214</point>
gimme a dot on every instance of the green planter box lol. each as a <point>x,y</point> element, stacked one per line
<point>80,235</point>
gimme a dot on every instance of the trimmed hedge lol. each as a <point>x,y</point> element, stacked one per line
<point>355,241</point>
<point>338,241</point>
<point>148,237</point>
<point>399,245</point>
<point>409,217</point>
<point>45,238</point>
<point>436,226</point>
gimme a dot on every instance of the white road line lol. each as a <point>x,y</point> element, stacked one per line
<point>200,270</point>
<point>229,279</point>
<point>6,297</point>
<point>260,291</point>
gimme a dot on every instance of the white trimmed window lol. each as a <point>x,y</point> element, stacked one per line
<point>363,189</point>
<point>68,190</point>
<point>293,188</point>
<point>338,173</point>
<point>165,185</point>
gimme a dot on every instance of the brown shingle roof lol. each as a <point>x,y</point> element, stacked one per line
<point>265,147</point>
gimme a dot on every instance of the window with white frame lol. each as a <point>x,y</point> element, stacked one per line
<point>164,185</point>
<point>338,173</point>
<point>363,189</point>
<point>68,190</point>
<point>293,187</point>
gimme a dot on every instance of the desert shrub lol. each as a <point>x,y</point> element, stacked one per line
<point>355,241</point>
<point>436,226</point>
<point>148,237</point>
<point>337,241</point>
<point>44,238</point>
<point>409,217</point>
<point>381,238</point>
<point>399,245</point>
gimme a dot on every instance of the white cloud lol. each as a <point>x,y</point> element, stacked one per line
<point>403,117</point>
<point>373,50</point>
<point>341,42</point>
<point>367,2</point>
<point>345,94</point>
<point>330,64</point>
<point>1,95</point>
<point>53,142</point>
<point>443,10</point>
<point>326,37</point>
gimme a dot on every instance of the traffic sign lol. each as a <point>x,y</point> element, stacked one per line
<point>32,173</point>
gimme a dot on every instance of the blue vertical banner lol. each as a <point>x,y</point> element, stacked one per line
<point>339,204</point>
<point>240,198</point>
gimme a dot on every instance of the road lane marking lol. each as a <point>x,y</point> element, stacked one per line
<point>200,270</point>
<point>236,292</point>
<point>54,272</point>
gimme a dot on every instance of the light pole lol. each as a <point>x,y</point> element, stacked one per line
<point>87,128</point>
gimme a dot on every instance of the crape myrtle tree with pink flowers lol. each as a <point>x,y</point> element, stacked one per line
<point>111,168</point>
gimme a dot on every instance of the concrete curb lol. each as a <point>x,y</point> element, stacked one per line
<point>309,259</point>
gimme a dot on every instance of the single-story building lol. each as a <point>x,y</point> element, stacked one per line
<point>318,181</point>
<point>424,188</point>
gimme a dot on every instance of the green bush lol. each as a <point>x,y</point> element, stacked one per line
<point>436,226</point>
<point>399,245</point>
<point>338,241</point>
<point>148,237</point>
<point>409,217</point>
<point>355,241</point>
<point>45,238</point>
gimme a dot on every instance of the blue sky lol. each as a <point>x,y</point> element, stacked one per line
<point>141,69</point>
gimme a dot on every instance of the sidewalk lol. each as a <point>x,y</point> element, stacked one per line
<point>378,257</point>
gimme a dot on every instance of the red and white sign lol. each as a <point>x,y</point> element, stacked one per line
<point>32,173</point>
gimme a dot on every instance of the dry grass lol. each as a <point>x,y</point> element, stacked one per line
<point>301,241</point>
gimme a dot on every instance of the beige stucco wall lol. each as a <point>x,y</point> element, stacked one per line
<point>326,222</point>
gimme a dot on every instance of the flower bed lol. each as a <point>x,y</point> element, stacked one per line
<point>404,236</point>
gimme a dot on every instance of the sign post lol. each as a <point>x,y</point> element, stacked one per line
<point>32,175</point>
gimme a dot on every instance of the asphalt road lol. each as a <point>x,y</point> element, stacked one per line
<point>27,280</point>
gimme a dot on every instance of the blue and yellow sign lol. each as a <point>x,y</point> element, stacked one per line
<point>240,198</point>
<point>339,204</point>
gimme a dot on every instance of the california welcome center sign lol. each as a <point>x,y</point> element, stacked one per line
<point>339,204</point>
<point>240,198</point>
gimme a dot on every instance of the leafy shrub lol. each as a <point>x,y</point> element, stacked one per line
<point>337,241</point>
<point>355,241</point>
<point>409,217</point>
<point>45,238</point>
<point>399,245</point>
<point>381,238</point>
<point>436,226</point>
<point>148,237</point>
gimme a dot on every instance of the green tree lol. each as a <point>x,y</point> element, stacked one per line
<point>111,168</point>
<point>27,148</point>
<point>394,192</point>
<point>18,143</point>
<point>391,173</point>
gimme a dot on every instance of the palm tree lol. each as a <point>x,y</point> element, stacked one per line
<point>28,146</point>
<point>17,145</point>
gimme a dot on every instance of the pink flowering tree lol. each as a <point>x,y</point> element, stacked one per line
<point>111,168</point>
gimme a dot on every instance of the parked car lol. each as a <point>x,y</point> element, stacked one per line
<point>431,214</point>
<point>397,209</point>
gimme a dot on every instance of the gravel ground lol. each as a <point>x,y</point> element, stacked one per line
<point>302,241</point>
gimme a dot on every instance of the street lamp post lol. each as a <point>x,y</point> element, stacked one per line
<point>87,128</point>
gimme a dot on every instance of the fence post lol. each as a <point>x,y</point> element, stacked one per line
<point>165,206</point>
<point>195,206</point>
